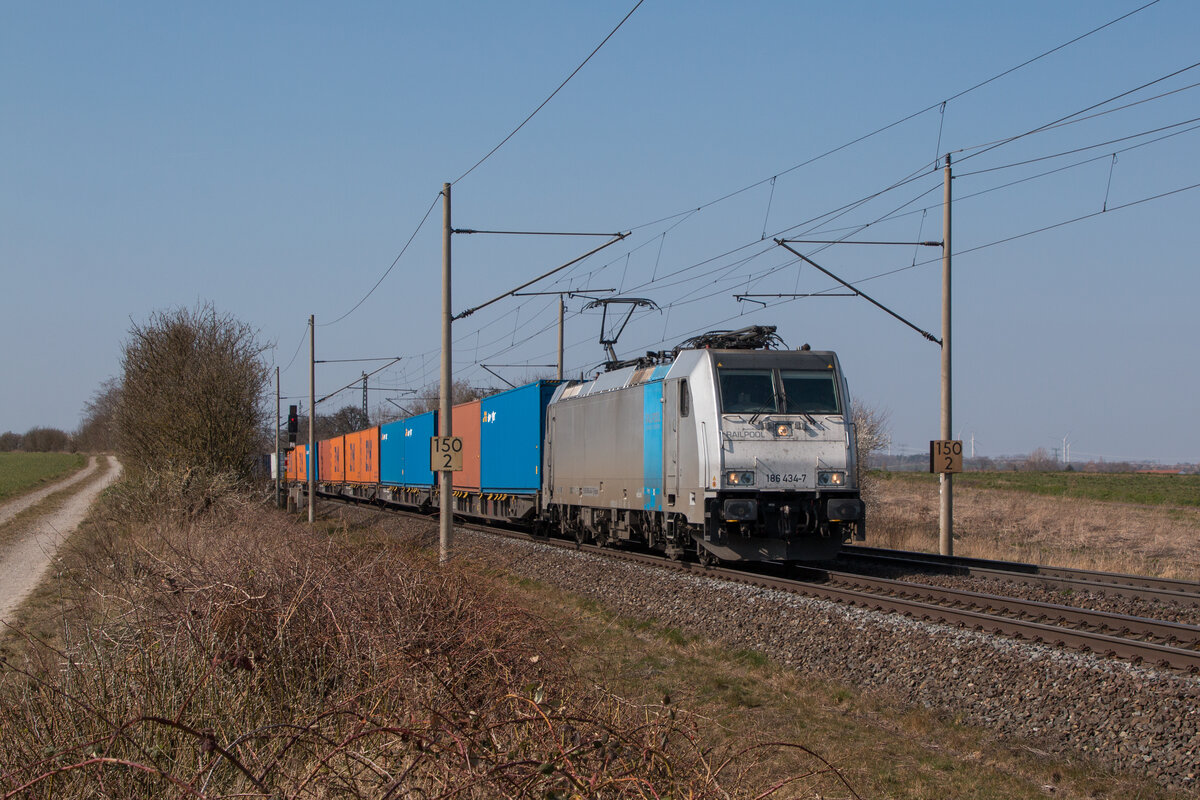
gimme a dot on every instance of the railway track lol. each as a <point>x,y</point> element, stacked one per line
<point>1164,644</point>
<point>1136,638</point>
<point>1140,587</point>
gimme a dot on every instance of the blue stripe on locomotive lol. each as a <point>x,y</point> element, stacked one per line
<point>511,429</point>
<point>404,451</point>
<point>652,447</point>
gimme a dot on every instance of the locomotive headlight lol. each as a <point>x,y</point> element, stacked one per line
<point>741,510</point>
<point>739,478</point>
<point>783,429</point>
<point>831,478</point>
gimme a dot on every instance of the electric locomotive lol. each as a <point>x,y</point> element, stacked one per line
<point>722,448</point>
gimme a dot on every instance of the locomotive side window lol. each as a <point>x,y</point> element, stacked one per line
<point>747,391</point>
<point>810,392</point>
<point>685,399</point>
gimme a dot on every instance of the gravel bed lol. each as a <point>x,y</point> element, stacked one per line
<point>1094,600</point>
<point>1117,714</point>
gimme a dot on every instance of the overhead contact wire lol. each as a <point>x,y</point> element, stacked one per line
<point>829,216</point>
<point>387,272</point>
<point>1061,120</point>
<point>904,119</point>
<point>552,94</point>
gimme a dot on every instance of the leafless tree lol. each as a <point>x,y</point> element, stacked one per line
<point>192,387</point>
<point>460,392</point>
<point>870,436</point>
<point>346,419</point>
<point>96,428</point>
<point>1040,460</point>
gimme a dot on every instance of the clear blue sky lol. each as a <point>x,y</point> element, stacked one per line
<point>273,158</point>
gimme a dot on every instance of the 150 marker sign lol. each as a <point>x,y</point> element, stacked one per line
<point>446,453</point>
<point>945,455</point>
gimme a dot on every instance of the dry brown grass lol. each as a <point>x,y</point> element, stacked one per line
<point>1021,526</point>
<point>886,748</point>
<point>232,651</point>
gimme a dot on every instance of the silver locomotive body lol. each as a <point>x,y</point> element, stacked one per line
<point>737,455</point>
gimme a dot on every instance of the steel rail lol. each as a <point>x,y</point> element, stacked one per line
<point>1123,625</point>
<point>1170,590</point>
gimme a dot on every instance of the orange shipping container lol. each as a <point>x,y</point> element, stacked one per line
<point>362,456</point>
<point>301,463</point>
<point>331,466</point>
<point>465,423</point>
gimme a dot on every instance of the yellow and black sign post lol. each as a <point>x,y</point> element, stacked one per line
<point>446,453</point>
<point>945,455</point>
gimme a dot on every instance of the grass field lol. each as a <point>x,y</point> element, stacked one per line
<point>1141,489</point>
<point>1146,524</point>
<point>20,472</point>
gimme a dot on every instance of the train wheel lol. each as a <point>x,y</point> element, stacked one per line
<point>706,558</point>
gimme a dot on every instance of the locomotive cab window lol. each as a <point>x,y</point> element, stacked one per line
<point>685,400</point>
<point>810,392</point>
<point>747,391</point>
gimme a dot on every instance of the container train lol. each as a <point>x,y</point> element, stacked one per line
<point>723,449</point>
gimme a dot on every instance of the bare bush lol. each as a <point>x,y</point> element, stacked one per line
<point>46,440</point>
<point>1040,460</point>
<point>191,393</point>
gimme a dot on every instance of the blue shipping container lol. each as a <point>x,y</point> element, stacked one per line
<point>511,432</point>
<point>391,453</point>
<point>417,433</point>
<point>404,451</point>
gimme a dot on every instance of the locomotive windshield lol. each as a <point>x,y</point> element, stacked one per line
<point>774,391</point>
<point>809,391</point>
<point>747,391</point>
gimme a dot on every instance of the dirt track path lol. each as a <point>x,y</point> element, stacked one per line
<point>26,560</point>
<point>14,507</point>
